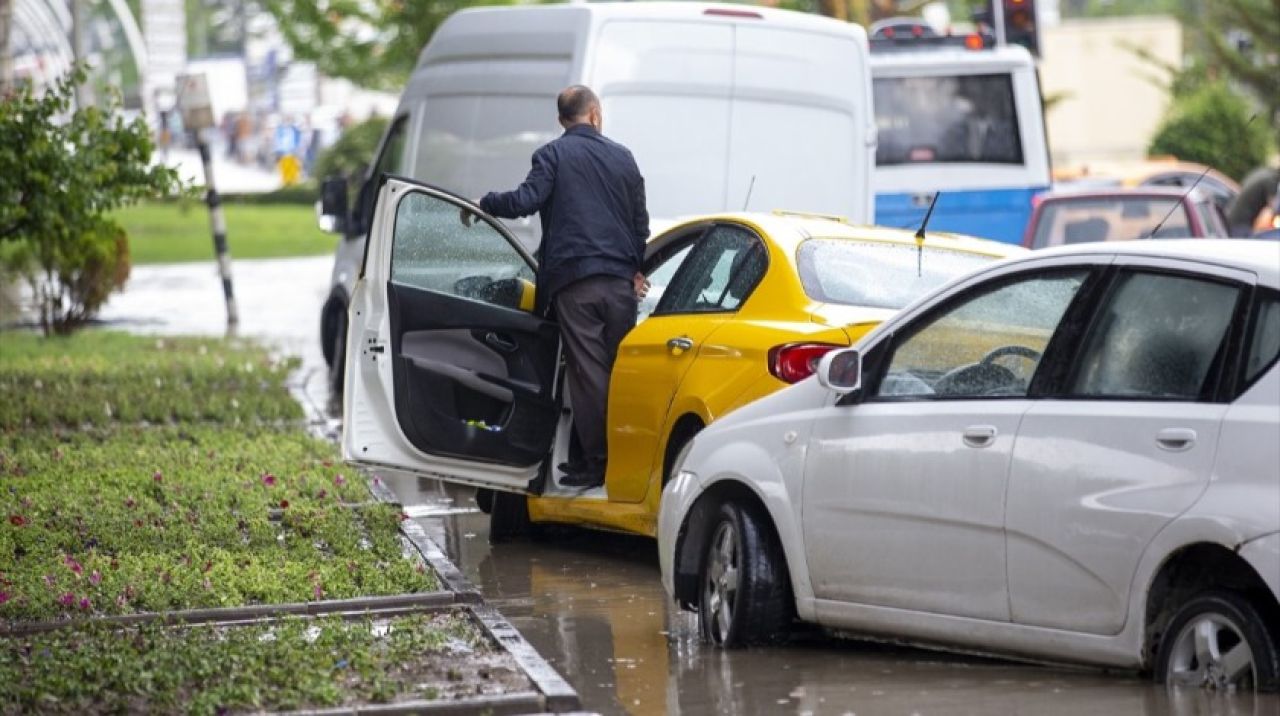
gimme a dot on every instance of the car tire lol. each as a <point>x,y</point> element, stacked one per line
<point>744,590</point>
<point>1202,646</point>
<point>509,517</point>
<point>338,368</point>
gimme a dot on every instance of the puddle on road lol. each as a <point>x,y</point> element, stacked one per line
<point>593,605</point>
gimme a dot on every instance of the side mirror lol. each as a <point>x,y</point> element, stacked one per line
<point>332,213</point>
<point>840,371</point>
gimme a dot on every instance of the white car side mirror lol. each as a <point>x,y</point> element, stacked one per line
<point>841,370</point>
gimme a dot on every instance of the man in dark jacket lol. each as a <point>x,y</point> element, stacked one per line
<point>589,195</point>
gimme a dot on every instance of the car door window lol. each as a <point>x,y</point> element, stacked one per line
<point>1264,343</point>
<point>1157,336</point>
<point>659,277</point>
<point>432,250</point>
<point>721,270</point>
<point>987,345</point>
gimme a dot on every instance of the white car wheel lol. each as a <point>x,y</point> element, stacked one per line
<point>744,590</point>
<point>1218,642</point>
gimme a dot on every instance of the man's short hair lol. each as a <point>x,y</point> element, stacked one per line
<point>574,102</point>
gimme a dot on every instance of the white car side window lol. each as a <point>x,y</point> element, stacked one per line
<point>433,250</point>
<point>986,346</point>
<point>1155,338</point>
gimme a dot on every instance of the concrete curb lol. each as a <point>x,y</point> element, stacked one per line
<point>224,615</point>
<point>556,695</point>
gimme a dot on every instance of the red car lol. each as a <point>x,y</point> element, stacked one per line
<point>1079,216</point>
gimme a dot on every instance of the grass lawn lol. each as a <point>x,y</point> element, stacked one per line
<point>140,474</point>
<point>170,232</point>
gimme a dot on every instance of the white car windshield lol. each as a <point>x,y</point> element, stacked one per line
<point>877,274</point>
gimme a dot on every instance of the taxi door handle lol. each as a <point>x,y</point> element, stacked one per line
<point>679,345</point>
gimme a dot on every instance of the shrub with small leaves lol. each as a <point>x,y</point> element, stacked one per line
<point>61,170</point>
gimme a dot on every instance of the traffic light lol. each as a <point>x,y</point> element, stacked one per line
<point>1020,27</point>
<point>1020,24</point>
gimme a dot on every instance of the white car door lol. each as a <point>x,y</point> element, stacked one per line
<point>904,491</point>
<point>449,372</point>
<point>1125,445</point>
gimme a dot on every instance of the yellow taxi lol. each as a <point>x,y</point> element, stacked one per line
<point>450,374</point>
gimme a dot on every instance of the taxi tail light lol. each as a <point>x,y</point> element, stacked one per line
<point>793,362</point>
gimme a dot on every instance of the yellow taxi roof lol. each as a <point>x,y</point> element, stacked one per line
<point>790,229</point>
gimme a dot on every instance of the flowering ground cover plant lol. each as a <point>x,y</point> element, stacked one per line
<point>107,378</point>
<point>119,516</point>
<point>289,664</point>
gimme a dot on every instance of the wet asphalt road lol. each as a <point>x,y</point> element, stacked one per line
<point>592,603</point>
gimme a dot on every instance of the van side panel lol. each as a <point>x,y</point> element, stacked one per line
<point>665,88</point>
<point>800,123</point>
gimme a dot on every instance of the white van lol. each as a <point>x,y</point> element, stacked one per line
<point>725,107</point>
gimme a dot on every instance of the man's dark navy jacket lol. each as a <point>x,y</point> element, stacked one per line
<point>589,195</point>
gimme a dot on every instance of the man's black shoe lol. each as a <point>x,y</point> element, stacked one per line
<point>572,466</point>
<point>584,479</point>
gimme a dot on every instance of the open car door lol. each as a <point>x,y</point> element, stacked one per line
<point>449,373</point>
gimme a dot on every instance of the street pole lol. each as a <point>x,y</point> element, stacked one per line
<point>6,58</point>
<point>219,223</point>
<point>997,19</point>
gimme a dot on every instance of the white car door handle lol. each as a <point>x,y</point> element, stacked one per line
<point>979,436</point>
<point>1176,439</point>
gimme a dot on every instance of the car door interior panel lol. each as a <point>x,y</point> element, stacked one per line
<point>472,379</point>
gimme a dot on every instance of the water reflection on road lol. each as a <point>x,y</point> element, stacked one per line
<point>593,605</point>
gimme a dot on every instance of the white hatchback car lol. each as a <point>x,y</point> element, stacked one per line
<point>1070,456</point>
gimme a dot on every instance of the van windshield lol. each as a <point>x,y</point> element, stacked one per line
<point>958,118</point>
<point>877,274</point>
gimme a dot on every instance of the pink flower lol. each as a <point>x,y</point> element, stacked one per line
<point>72,564</point>
<point>85,603</point>
<point>95,578</point>
<point>67,599</point>
<point>318,592</point>
<point>121,601</point>
<point>48,580</point>
<point>268,479</point>
<point>404,516</point>
<point>157,476</point>
<point>4,597</point>
<point>339,480</point>
<point>322,494</point>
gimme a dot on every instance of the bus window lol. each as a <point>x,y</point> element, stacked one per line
<point>951,119</point>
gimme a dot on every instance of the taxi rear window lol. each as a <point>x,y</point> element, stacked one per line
<point>877,274</point>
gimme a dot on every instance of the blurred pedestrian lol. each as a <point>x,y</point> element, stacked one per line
<point>589,195</point>
<point>1257,193</point>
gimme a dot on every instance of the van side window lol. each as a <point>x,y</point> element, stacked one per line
<point>721,270</point>
<point>390,161</point>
